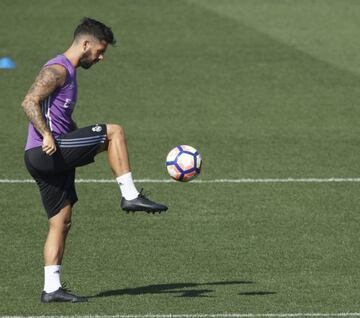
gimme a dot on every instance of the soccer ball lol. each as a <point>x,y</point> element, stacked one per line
<point>183,163</point>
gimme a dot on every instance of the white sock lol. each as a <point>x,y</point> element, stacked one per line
<point>52,278</point>
<point>127,186</point>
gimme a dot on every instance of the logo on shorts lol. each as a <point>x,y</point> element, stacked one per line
<point>96,128</point>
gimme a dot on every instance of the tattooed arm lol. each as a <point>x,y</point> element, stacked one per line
<point>48,80</point>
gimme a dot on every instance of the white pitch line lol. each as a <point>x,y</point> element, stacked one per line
<point>243,180</point>
<point>229,315</point>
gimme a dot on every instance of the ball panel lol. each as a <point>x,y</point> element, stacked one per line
<point>188,148</point>
<point>185,161</point>
<point>172,154</point>
<point>173,172</point>
<point>198,161</point>
<point>189,176</point>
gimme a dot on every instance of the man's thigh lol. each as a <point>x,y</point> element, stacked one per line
<point>56,191</point>
<point>79,147</point>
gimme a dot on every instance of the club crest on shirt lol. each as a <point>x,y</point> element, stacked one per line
<point>96,128</point>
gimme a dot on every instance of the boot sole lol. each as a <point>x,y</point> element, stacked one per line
<point>147,210</point>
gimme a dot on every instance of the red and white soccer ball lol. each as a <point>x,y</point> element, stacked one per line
<point>183,163</point>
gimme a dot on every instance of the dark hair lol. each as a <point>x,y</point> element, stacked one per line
<point>96,29</point>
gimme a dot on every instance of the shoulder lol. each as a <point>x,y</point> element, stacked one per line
<point>55,72</point>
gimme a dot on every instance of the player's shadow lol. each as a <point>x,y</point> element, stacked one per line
<point>179,290</point>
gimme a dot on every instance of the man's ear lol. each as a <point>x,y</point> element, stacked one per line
<point>85,45</point>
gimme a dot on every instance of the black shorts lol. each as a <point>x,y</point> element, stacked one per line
<point>55,175</point>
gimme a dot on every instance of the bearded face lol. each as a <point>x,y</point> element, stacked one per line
<point>94,53</point>
<point>86,61</point>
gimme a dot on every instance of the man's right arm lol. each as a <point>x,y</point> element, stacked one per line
<point>48,80</point>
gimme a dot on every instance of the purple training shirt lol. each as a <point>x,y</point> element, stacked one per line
<point>58,107</point>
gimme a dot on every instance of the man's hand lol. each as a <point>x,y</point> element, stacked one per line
<point>49,145</point>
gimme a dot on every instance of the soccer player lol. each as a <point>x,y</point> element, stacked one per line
<point>56,146</point>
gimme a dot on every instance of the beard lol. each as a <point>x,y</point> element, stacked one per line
<point>85,61</point>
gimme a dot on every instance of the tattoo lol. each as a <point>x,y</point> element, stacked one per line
<point>45,84</point>
<point>32,110</point>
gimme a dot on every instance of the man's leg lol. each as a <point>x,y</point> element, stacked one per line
<point>59,226</point>
<point>79,147</point>
<point>117,150</point>
<point>119,162</point>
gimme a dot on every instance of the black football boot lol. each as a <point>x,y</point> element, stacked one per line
<point>142,203</point>
<point>61,295</point>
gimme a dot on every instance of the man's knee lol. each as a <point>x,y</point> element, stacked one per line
<point>61,222</point>
<point>63,227</point>
<point>114,130</point>
<point>67,227</point>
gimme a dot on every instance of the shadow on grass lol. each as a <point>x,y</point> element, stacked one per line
<point>179,290</point>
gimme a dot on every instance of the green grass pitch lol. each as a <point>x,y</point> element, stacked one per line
<point>263,89</point>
